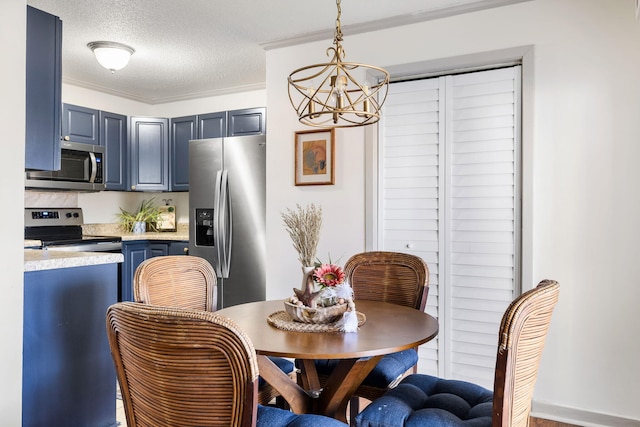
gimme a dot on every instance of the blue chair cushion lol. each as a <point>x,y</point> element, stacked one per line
<point>268,416</point>
<point>389,369</point>
<point>423,400</point>
<point>285,366</point>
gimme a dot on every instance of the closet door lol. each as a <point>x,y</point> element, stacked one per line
<point>449,192</point>
<point>409,188</point>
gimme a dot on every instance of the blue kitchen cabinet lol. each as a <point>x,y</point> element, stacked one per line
<point>248,121</point>
<point>183,129</point>
<point>136,251</point>
<point>43,90</point>
<point>114,136</point>
<point>68,377</point>
<point>212,125</point>
<point>149,154</point>
<point>179,248</point>
<point>134,254</point>
<point>158,249</point>
<point>80,124</point>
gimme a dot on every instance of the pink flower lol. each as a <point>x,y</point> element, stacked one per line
<point>329,275</point>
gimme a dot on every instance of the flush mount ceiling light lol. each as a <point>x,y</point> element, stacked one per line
<point>331,96</point>
<point>111,55</point>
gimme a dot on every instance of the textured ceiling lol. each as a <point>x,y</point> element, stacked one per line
<point>194,48</point>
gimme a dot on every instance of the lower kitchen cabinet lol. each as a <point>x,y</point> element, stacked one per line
<point>68,377</point>
<point>135,252</point>
<point>179,248</point>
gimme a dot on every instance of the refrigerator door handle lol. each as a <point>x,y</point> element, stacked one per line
<point>216,222</point>
<point>226,225</point>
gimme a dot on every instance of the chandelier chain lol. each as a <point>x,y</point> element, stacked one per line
<point>338,36</point>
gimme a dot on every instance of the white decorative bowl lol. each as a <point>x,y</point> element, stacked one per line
<point>320,315</point>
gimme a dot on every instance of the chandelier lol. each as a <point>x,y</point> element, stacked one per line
<point>338,94</point>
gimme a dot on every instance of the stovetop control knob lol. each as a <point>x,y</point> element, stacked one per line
<point>76,215</point>
<point>68,215</point>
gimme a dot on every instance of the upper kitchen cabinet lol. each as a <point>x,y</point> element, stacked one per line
<point>113,136</point>
<point>149,154</point>
<point>183,129</point>
<point>212,125</point>
<point>43,90</point>
<point>80,124</point>
<point>250,121</point>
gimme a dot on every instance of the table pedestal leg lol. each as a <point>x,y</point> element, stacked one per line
<point>299,400</point>
<point>330,400</point>
<point>342,383</point>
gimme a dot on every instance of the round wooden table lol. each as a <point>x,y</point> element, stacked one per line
<point>388,328</point>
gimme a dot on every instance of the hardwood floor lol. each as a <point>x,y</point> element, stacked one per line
<point>539,422</point>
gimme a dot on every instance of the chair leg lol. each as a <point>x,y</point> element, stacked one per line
<point>354,408</point>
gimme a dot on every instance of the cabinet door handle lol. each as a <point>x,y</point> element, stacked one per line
<point>66,138</point>
<point>185,250</point>
<point>133,187</point>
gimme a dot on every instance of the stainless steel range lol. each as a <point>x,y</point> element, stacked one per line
<point>61,229</point>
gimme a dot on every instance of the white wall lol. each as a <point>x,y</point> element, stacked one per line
<point>580,170</point>
<point>12,108</point>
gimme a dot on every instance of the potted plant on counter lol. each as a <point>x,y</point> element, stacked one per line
<point>144,219</point>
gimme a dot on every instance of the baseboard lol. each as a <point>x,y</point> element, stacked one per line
<point>579,417</point>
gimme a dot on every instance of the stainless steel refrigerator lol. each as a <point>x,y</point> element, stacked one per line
<point>227,213</point>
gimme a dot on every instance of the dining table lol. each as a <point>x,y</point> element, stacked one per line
<point>384,328</point>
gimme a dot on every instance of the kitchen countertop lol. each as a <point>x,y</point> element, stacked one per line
<point>32,243</point>
<point>37,259</point>
<point>113,230</point>
<point>181,234</point>
<point>160,235</point>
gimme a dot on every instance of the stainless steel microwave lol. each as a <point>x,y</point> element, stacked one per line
<point>81,169</point>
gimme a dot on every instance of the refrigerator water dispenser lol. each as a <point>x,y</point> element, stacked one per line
<point>204,227</point>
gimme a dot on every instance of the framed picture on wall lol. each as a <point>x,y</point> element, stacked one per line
<point>314,157</point>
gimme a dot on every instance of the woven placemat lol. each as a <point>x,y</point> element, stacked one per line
<point>282,320</point>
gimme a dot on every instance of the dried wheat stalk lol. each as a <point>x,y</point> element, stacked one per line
<point>303,225</point>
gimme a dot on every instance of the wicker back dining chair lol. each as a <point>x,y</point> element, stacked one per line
<point>426,400</point>
<point>393,277</point>
<point>184,281</point>
<point>180,367</point>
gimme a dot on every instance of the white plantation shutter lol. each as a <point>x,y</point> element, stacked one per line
<point>409,176</point>
<point>449,193</point>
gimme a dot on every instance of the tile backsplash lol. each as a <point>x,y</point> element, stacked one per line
<point>50,199</point>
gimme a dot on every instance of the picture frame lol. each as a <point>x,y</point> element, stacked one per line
<point>315,157</point>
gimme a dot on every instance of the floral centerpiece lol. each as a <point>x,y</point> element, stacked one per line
<point>324,296</point>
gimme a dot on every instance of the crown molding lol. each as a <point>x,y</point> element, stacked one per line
<point>395,21</point>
